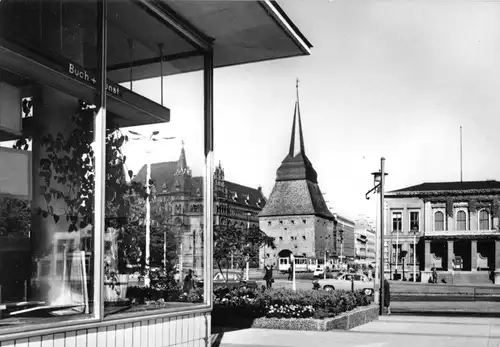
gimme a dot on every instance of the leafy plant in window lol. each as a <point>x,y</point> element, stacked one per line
<point>67,173</point>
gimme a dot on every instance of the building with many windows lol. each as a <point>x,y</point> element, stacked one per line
<point>179,195</point>
<point>345,239</point>
<point>450,226</point>
<point>364,242</point>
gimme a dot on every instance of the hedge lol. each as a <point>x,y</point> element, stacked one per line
<point>286,303</point>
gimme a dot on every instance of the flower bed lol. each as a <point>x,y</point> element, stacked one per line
<point>287,309</point>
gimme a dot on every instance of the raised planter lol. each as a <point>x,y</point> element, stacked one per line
<point>344,321</point>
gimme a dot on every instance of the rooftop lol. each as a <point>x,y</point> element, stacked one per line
<point>449,188</point>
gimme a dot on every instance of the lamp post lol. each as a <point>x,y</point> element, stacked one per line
<point>379,181</point>
<point>153,137</point>
<point>415,255</point>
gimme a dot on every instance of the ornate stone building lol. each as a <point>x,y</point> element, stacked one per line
<point>452,226</point>
<point>296,214</point>
<point>180,195</point>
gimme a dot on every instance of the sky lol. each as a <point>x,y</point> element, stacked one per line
<point>393,79</point>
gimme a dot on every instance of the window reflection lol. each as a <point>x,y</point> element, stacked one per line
<point>46,208</point>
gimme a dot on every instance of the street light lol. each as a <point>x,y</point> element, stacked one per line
<point>152,137</point>
<point>379,182</point>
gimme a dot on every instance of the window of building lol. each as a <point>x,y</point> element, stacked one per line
<point>397,221</point>
<point>414,221</point>
<point>461,220</point>
<point>439,221</point>
<point>484,220</point>
<point>396,252</point>
<point>411,254</point>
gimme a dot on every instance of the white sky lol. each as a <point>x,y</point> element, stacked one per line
<point>385,78</point>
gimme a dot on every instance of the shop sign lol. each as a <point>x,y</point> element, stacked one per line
<point>84,75</point>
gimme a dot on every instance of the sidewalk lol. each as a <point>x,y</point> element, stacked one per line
<point>388,331</point>
<point>446,307</point>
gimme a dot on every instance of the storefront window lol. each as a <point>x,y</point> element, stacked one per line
<point>46,205</point>
<point>154,223</point>
<point>154,251</point>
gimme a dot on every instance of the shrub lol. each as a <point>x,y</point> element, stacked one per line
<point>286,303</point>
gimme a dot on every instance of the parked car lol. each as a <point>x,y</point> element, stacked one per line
<point>344,282</point>
<point>234,280</point>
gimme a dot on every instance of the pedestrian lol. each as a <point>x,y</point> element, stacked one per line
<point>290,273</point>
<point>387,296</point>
<point>434,275</point>
<point>188,282</point>
<point>268,276</point>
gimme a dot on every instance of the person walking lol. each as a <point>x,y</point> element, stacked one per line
<point>290,273</point>
<point>268,276</point>
<point>188,282</point>
<point>387,296</point>
<point>434,275</point>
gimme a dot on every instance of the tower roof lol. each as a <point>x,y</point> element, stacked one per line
<point>296,191</point>
<point>296,165</point>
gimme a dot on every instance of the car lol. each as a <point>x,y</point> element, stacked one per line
<point>344,281</point>
<point>319,271</point>
<point>234,280</point>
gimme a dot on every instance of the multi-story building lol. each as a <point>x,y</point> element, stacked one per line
<point>365,242</point>
<point>180,196</point>
<point>344,250</point>
<point>450,226</point>
<point>296,214</point>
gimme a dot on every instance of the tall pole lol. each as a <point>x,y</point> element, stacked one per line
<point>148,221</point>
<point>382,184</point>
<point>397,249</point>
<point>165,250</point>
<point>377,255</point>
<point>324,264</point>
<point>461,154</point>
<point>414,256</point>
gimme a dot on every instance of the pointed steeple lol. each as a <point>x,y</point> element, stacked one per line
<point>296,165</point>
<point>297,139</point>
<point>182,167</point>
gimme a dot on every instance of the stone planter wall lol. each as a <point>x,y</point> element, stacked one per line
<point>344,321</point>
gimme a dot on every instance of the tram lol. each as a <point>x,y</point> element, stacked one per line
<point>301,264</point>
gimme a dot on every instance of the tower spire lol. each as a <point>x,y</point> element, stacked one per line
<point>297,139</point>
<point>182,162</point>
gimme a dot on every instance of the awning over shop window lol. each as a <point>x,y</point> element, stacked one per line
<point>54,42</point>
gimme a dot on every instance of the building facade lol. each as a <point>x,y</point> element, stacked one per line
<point>345,249</point>
<point>178,198</point>
<point>450,226</point>
<point>296,214</point>
<point>365,242</point>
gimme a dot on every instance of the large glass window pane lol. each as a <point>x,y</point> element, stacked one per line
<point>46,205</point>
<point>154,254</point>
